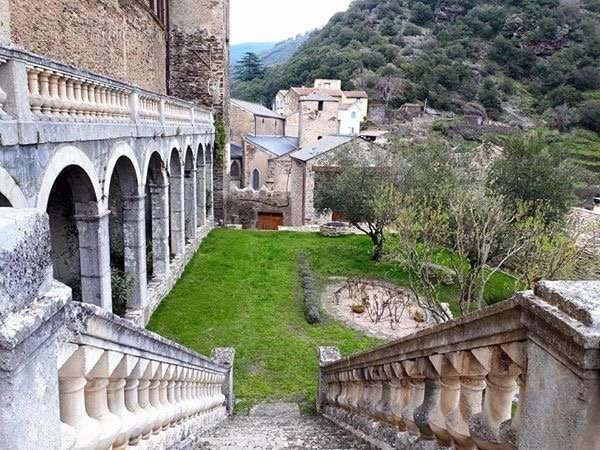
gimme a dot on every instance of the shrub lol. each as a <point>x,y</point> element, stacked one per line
<point>310,290</point>
<point>121,289</point>
<point>589,115</point>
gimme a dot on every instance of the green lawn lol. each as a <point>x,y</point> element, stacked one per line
<point>242,290</point>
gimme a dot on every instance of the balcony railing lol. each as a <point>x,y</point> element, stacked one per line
<point>43,100</point>
<point>514,376</point>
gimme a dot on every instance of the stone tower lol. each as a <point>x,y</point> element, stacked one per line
<point>318,118</point>
<point>198,66</point>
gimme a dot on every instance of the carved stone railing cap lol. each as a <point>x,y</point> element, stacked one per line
<point>578,299</point>
<point>88,324</point>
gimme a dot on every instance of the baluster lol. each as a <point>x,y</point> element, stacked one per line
<point>96,397</point>
<point>426,412</point>
<point>399,395</point>
<point>86,105</point>
<point>54,99</point>
<point>165,405</point>
<point>92,91</point>
<point>503,371</point>
<point>416,387</point>
<point>358,388</point>
<point>178,394</point>
<point>133,400</point>
<point>63,100</point>
<point>70,103</point>
<point>45,94</point>
<point>35,98</point>
<point>203,400</point>
<point>79,428</point>
<point>116,400</point>
<point>450,391</point>
<point>472,376</point>
<point>189,393</point>
<point>78,103</point>
<point>158,391</point>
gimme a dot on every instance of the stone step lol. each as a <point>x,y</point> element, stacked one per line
<point>279,426</point>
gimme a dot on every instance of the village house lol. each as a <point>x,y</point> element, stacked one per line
<point>353,106</point>
<point>278,173</point>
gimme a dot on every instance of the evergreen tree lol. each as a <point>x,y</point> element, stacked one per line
<point>249,67</point>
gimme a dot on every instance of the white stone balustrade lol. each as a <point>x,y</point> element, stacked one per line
<point>46,101</point>
<point>513,376</point>
<point>121,386</point>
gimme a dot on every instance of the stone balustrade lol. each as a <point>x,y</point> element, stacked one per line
<point>523,374</point>
<point>46,101</point>
<point>75,376</point>
<point>122,386</point>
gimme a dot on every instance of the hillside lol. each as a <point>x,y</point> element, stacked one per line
<point>238,50</point>
<point>283,51</point>
<point>516,59</point>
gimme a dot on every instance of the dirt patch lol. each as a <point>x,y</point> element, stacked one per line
<point>376,308</point>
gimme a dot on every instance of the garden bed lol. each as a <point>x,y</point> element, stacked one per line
<point>374,307</point>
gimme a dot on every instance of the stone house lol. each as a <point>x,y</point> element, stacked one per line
<point>252,118</point>
<point>353,105</point>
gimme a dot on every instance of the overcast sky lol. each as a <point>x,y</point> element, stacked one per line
<point>276,20</point>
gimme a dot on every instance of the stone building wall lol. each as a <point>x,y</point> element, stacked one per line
<point>243,123</point>
<point>199,69</point>
<point>255,158</point>
<point>117,38</point>
<point>315,123</point>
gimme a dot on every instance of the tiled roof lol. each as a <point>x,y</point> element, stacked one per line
<point>320,147</point>
<point>278,145</point>
<point>256,109</point>
<point>356,94</point>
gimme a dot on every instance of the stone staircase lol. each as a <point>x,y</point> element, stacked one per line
<point>279,426</point>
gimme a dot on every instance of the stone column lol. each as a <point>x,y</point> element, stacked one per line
<point>201,195</point>
<point>326,355</point>
<point>160,228</point>
<point>561,409</point>
<point>191,203</point>
<point>134,237</point>
<point>94,255</point>
<point>177,214</point>
<point>226,356</point>
<point>31,312</point>
<point>210,198</point>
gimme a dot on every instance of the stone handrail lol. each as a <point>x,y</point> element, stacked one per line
<point>121,385</point>
<point>519,375</point>
<point>75,376</point>
<point>36,91</point>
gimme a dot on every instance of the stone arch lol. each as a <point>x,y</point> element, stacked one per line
<point>72,205</point>
<point>170,159</point>
<point>10,192</point>
<point>121,150</point>
<point>200,185</point>
<point>126,234</point>
<point>157,216</point>
<point>176,202</point>
<point>190,201</point>
<point>235,169</point>
<point>64,157</point>
<point>256,179</point>
<point>152,153</point>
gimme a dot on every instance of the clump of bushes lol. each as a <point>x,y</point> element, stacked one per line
<point>121,289</point>
<point>310,291</point>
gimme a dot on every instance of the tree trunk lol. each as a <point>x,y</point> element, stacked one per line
<point>377,239</point>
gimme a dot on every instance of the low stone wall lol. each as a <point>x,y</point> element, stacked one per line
<point>456,384</point>
<point>244,206</point>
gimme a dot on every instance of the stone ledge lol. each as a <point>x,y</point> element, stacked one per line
<point>380,435</point>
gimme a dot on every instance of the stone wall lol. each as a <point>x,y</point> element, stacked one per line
<point>314,123</point>
<point>243,123</point>
<point>199,68</point>
<point>255,158</point>
<point>117,38</point>
<point>244,205</point>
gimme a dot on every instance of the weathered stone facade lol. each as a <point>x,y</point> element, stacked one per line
<point>318,118</point>
<point>244,122</point>
<point>120,39</point>
<point>126,184</point>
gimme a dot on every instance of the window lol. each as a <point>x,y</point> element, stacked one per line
<point>354,114</point>
<point>234,170</point>
<point>256,180</point>
<point>321,106</point>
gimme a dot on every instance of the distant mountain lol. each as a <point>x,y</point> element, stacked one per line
<point>237,51</point>
<point>283,51</point>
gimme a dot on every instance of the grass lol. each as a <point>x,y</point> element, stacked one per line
<point>242,290</point>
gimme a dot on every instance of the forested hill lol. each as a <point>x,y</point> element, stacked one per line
<point>542,56</point>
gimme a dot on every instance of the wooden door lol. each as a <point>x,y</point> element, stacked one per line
<point>269,221</point>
